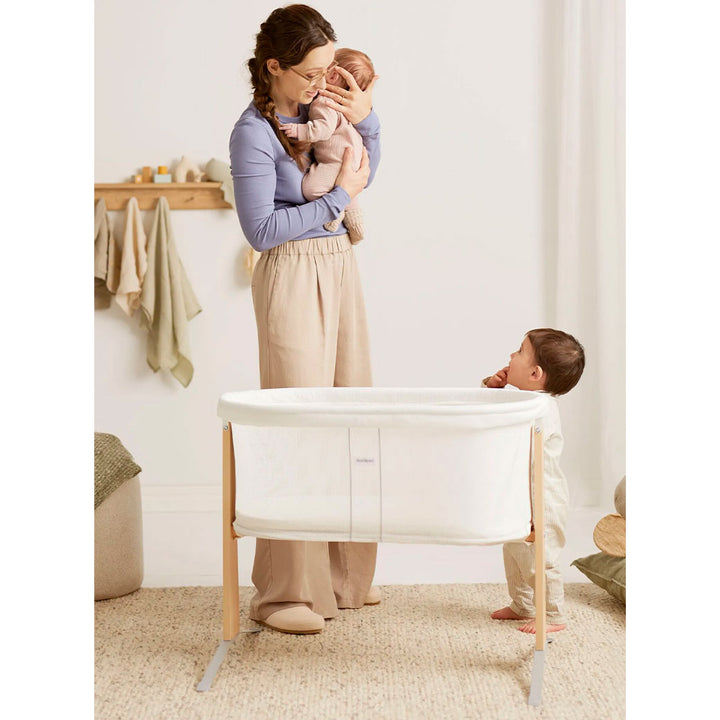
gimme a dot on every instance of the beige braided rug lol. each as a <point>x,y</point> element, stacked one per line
<point>427,651</point>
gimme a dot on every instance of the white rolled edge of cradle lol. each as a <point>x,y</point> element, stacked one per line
<point>256,407</point>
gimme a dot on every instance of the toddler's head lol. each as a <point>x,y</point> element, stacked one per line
<point>357,63</point>
<point>549,360</point>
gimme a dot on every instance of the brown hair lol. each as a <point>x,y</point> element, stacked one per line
<point>358,64</point>
<point>288,35</point>
<point>561,357</point>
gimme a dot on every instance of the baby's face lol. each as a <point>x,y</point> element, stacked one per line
<point>521,365</point>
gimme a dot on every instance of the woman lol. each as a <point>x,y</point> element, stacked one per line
<point>309,309</point>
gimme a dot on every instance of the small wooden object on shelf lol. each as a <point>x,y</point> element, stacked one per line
<point>180,196</point>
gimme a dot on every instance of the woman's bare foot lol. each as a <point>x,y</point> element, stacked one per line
<point>529,627</point>
<point>507,614</point>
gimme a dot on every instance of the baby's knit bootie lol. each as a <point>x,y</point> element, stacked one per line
<point>333,225</point>
<point>354,225</point>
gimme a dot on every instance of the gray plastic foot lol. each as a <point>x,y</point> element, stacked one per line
<point>536,679</point>
<point>216,662</point>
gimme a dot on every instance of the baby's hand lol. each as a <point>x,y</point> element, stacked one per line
<point>290,129</point>
<point>499,379</point>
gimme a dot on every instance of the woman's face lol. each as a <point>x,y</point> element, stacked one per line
<point>301,82</point>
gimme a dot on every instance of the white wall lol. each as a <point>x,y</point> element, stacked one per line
<point>452,263</point>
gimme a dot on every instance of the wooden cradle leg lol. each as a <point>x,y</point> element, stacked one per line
<point>231,591</point>
<point>539,525</point>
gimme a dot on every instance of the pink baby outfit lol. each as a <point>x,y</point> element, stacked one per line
<point>330,132</point>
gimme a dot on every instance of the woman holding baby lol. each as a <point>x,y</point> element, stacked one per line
<point>309,308</point>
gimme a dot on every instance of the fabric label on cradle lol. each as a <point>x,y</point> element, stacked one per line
<point>365,484</point>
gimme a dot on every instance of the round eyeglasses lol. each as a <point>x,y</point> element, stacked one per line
<point>317,78</point>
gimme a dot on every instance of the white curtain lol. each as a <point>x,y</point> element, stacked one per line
<point>585,230</point>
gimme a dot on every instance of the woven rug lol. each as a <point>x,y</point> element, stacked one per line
<point>427,651</point>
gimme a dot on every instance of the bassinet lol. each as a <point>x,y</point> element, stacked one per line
<point>416,465</point>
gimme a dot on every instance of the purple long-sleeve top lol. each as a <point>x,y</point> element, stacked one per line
<point>267,182</point>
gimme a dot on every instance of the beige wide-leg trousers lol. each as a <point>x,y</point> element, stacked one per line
<point>312,332</point>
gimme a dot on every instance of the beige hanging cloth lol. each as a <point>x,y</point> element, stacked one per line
<point>167,301</point>
<point>107,257</point>
<point>133,263</point>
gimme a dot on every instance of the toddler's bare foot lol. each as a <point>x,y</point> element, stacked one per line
<point>507,614</point>
<point>529,627</point>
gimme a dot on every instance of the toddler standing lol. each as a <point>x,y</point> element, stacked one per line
<point>549,361</point>
<point>331,133</point>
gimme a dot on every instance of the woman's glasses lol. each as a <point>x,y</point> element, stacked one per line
<point>317,78</point>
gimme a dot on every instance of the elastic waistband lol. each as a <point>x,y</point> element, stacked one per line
<point>313,246</point>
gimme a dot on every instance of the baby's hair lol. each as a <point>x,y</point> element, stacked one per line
<point>561,357</point>
<point>358,64</point>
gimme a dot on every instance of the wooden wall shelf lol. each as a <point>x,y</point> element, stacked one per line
<point>180,196</point>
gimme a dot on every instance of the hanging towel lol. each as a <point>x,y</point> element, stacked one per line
<point>167,301</point>
<point>107,256</point>
<point>133,263</point>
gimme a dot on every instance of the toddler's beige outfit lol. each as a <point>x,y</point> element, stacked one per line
<point>312,332</point>
<point>331,133</point>
<point>519,555</point>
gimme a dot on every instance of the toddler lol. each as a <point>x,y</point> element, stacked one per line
<point>331,133</point>
<point>549,361</point>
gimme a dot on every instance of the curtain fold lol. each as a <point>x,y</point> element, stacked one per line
<point>585,231</point>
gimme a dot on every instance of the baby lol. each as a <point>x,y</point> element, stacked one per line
<point>331,133</point>
<point>549,361</point>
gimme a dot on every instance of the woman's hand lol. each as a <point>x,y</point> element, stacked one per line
<point>499,379</point>
<point>355,104</point>
<point>353,181</point>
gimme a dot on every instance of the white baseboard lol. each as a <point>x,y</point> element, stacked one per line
<point>182,540</point>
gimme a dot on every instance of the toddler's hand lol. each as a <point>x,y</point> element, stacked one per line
<point>290,129</point>
<point>499,379</point>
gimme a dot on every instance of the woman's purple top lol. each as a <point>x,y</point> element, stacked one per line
<point>268,196</point>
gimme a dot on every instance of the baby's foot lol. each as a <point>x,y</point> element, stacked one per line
<point>507,614</point>
<point>529,627</point>
<point>333,225</point>
<point>354,224</point>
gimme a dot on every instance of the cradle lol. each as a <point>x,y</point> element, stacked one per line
<point>417,465</point>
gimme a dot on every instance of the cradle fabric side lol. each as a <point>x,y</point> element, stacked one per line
<point>449,485</point>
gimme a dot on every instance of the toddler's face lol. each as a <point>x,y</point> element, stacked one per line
<point>521,365</point>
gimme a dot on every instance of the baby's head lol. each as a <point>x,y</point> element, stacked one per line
<point>357,63</point>
<point>548,360</point>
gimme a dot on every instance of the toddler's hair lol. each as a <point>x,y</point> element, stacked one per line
<point>561,357</point>
<point>358,64</point>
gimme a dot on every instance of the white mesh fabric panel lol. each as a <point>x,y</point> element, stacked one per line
<point>368,464</point>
